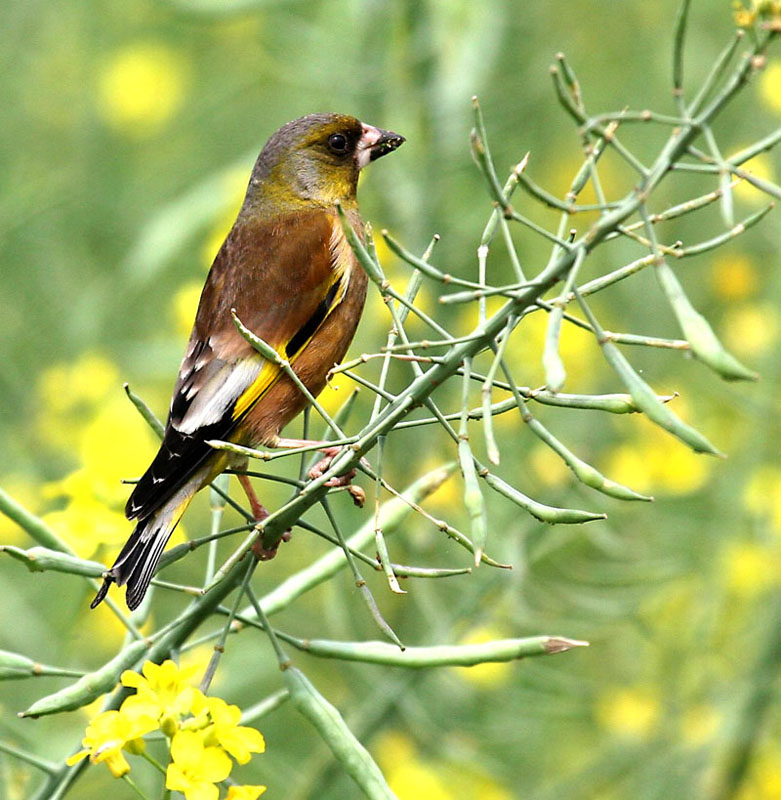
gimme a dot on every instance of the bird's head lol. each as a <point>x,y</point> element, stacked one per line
<point>315,160</point>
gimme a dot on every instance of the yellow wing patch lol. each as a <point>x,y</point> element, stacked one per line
<point>266,378</point>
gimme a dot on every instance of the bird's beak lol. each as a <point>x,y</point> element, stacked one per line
<point>375,142</point>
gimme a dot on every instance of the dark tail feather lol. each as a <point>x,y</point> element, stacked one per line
<point>136,563</point>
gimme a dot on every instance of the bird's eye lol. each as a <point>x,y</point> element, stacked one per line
<point>337,143</point>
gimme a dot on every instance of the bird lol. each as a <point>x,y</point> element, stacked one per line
<point>289,275</point>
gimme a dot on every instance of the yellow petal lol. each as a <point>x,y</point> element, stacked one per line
<point>202,791</point>
<point>215,764</point>
<point>117,763</point>
<point>76,757</point>
<point>176,779</point>
<point>241,741</point>
<point>131,679</point>
<point>245,792</point>
<point>186,749</point>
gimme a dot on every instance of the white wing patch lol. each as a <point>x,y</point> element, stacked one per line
<point>219,393</point>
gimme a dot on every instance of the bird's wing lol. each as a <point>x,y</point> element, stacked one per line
<point>284,278</point>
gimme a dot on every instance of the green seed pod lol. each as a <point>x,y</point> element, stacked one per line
<point>329,723</point>
<point>91,686</point>
<point>15,665</point>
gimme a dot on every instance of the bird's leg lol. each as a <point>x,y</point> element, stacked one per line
<point>260,513</point>
<point>330,452</point>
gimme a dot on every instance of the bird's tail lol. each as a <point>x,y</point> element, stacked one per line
<point>136,563</point>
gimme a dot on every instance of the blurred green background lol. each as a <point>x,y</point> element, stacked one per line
<point>128,133</point>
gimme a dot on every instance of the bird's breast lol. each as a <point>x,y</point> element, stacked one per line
<point>326,348</point>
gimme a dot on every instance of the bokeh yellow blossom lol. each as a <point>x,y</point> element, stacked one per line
<point>631,711</point>
<point>770,86</point>
<point>751,329</point>
<point>699,724</point>
<point>142,86</point>
<point>760,167</point>
<point>195,769</point>
<point>764,778</point>
<point>113,443</point>
<point>184,304</point>
<point>733,277</point>
<point>89,380</point>
<point>491,674</point>
<point>407,774</point>
<point>85,523</point>
<point>83,413</point>
<point>548,466</point>
<point>335,394</point>
<point>656,462</point>
<point>751,568</point>
<point>762,494</point>
<point>557,177</point>
<point>111,732</point>
<point>578,350</point>
<point>22,490</point>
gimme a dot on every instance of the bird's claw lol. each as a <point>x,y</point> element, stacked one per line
<point>358,495</point>
<point>266,554</point>
<point>323,465</point>
<point>340,481</point>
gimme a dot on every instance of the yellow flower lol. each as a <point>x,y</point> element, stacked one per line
<point>751,329</point>
<point>238,740</point>
<point>21,488</point>
<point>762,494</point>
<point>108,734</point>
<point>408,776</point>
<point>548,466</point>
<point>162,692</point>
<point>245,792</point>
<point>195,768</point>
<point>85,523</point>
<point>699,724</point>
<point>89,381</point>
<point>333,397</point>
<point>750,568</point>
<point>415,780</point>
<point>630,712</point>
<point>767,777</point>
<point>657,463</point>
<point>141,87</point>
<point>759,167</point>
<point>770,86</point>
<point>94,420</point>
<point>489,674</point>
<point>744,18</point>
<point>734,277</point>
<point>184,304</point>
<point>578,350</point>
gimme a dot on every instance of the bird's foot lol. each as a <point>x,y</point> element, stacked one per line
<point>267,553</point>
<point>324,464</point>
<point>340,481</point>
<point>321,467</point>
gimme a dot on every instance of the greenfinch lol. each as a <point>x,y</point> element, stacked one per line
<point>292,278</point>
